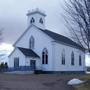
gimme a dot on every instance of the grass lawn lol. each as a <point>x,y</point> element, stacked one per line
<point>86,85</point>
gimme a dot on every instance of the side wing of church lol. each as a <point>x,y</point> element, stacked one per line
<point>44,50</point>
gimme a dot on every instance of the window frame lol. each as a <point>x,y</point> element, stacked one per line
<point>72,59</point>
<point>16,62</point>
<point>63,57</point>
<point>80,60</point>
<point>32,20</point>
<point>32,42</point>
<point>45,56</point>
<point>41,21</point>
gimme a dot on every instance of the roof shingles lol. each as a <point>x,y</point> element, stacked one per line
<point>28,52</point>
<point>61,38</point>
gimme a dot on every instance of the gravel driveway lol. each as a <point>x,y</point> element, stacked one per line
<point>35,82</point>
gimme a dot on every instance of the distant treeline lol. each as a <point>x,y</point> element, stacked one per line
<point>3,66</point>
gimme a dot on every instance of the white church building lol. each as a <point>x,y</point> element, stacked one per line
<point>41,49</point>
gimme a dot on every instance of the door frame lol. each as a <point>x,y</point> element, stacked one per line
<point>33,64</point>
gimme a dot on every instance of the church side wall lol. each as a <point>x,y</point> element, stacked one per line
<point>68,50</point>
<point>18,54</point>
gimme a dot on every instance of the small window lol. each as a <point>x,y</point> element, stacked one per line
<point>80,60</point>
<point>32,20</point>
<point>72,58</point>
<point>45,56</point>
<point>41,20</point>
<point>63,57</point>
<point>42,57</point>
<point>16,62</point>
<point>31,43</point>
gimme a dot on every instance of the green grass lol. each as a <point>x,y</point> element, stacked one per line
<point>86,85</point>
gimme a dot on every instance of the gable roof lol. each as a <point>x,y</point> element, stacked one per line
<point>32,25</point>
<point>55,36</point>
<point>22,35</point>
<point>61,38</point>
<point>28,52</point>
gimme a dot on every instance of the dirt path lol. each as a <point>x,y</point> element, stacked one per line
<point>34,82</point>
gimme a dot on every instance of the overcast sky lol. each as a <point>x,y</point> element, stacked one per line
<point>13,17</point>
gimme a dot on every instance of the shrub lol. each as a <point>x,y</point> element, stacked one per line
<point>3,66</point>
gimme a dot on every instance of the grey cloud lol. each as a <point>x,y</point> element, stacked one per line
<point>14,21</point>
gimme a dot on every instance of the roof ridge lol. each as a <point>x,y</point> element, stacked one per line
<point>58,34</point>
<point>62,38</point>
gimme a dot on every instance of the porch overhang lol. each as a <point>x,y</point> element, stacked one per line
<point>28,52</point>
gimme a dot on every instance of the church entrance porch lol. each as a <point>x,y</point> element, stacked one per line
<point>25,60</point>
<point>29,65</point>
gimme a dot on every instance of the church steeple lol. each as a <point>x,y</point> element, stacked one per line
<point>37,18</point>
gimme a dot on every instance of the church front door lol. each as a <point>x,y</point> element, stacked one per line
<point>33,64</point>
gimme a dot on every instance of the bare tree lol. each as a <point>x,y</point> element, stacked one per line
<point>77,17</point>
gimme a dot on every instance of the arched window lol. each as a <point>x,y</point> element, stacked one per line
<point>63,57</point>
<point>32,20</point>
<point>45,56</point>
<point>31,43</point>
<point>72,58</point>
<point>80,60</point>
<point>41,20</point>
